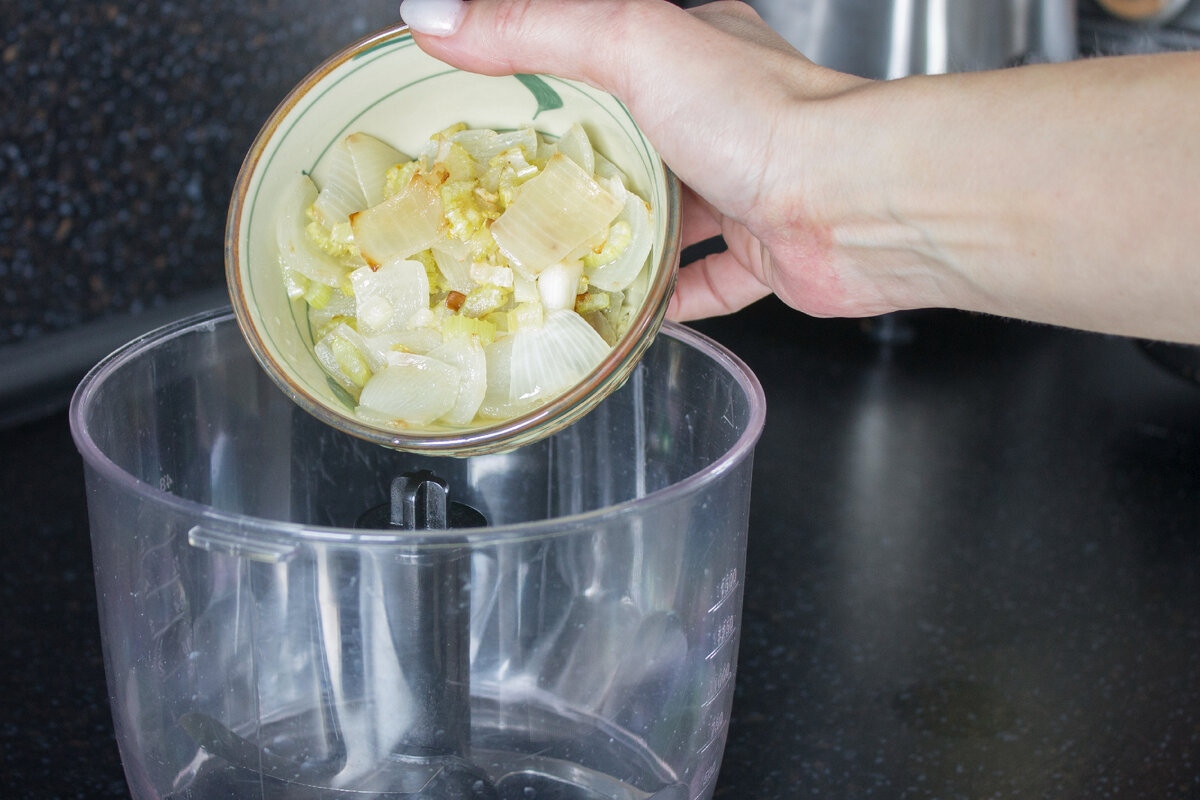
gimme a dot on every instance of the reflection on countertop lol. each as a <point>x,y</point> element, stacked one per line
<point>973,571</point>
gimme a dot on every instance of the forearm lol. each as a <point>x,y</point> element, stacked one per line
<point>1067,194</point>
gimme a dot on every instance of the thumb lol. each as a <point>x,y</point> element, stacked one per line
<point>579,40</point>
<point>670,67</point>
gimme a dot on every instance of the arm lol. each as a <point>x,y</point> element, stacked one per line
<point>1060,193</point>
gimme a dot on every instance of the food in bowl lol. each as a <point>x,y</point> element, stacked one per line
<point>469,283</point>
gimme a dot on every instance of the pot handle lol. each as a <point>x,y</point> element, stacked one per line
<point>237,543</point>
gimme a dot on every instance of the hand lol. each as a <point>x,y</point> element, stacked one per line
<point>1061,193</point>
<point>716,91</point>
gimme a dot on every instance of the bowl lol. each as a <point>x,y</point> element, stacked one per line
<point>386,86</point>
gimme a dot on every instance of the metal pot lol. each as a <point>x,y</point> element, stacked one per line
<point>895,38</point>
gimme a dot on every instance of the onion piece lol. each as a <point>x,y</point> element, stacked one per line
<point>297,253</point>
<point>552,214</point>
<point>372,159</point>
<point>558,284</point>
<point>466,354</point>
<point>341,195</point>
<point>414,340</point>
<point>631,301</point>
<point>525,289</point>
<point>386,348</point>
<point>607,170</point>
<point>346,358</point>
<point>296,284</point>
<point>601,324</point>
<point>406,223</point>
<point>498,402</point>
<point>455,266</point>
<point>484,145</point>
<point>340,308</point>
<point>617,274</point>
<point>413,390</point>
<point>575,145</point>
<point>552,358</point>
<point>387,297</point>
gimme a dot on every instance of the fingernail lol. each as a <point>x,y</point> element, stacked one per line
<point>434,17</point>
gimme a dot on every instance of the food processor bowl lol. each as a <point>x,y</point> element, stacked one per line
<point>289,611</point>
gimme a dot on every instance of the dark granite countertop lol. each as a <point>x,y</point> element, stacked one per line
<point>974,572</point>
<point>122,127</point>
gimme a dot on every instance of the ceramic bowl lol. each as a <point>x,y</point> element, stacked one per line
<point>388,87</point>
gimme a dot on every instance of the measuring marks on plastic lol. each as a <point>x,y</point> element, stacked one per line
<point>721,662</point>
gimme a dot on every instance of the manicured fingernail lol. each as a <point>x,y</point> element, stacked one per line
<point>434,17</point>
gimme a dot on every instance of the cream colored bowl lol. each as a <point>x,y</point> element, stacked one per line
<point>386,86</point>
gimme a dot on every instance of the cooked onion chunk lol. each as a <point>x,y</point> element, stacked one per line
<point>553,214</point>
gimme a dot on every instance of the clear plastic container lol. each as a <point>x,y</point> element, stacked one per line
<point>258,644</point>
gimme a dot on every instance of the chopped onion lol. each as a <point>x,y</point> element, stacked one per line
<point>601,324</point>
<point>550,359</point>
<point>406,223</point>
<point>295,284</point>
<point>340,307</point>
<point>616,306</point>
<point>372,159</point>
<point>617,274</point>
<point>558,284</point>
<point>632,299</point>
<point>341,195</point>
<point>346,357</point>
<point>415,340</point>
<point>484,145</point>
<point>498,402</point>
<point>554,212</point>
<point>413,390</point>
<point>297,253</point>
<point>455,268</point>
<point>525,289</point>
<point>492,275</point>
<point>575,145</point>
<point>385,348</point>
<point>389,296</point>
<point>466,354</point>
<point>606,170</point>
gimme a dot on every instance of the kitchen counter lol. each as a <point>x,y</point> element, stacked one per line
<point>973,572</point>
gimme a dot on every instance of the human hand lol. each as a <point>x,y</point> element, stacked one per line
<point>1060,193</point>
<point>717,93</point>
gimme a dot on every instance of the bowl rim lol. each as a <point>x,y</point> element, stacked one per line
<point>504,434</point>
<point>262,530</point>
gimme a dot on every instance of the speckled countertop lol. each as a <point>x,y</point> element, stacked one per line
<point>122,127</point>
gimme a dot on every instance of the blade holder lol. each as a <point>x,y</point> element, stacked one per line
<point>427,603</point>
<point>419,501</point>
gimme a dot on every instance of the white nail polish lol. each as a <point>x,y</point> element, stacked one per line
<point>434,17</point>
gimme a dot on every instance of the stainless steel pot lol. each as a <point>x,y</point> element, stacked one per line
<point>895,38</point>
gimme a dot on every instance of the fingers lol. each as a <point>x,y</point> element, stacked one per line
<point>712,286</point>
<point>698,220</point>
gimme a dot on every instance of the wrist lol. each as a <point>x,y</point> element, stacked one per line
<point>855,224</point>
<point>1054,193</point>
